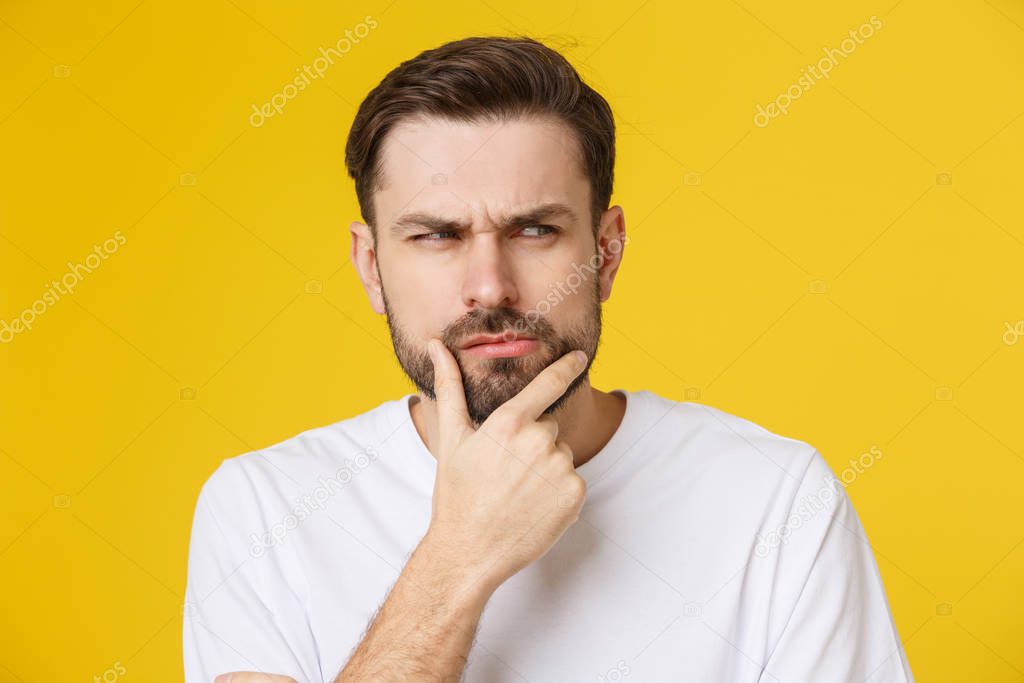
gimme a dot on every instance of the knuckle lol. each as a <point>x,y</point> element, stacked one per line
<point>549,424</point>
<point>513,422</point>
<point>556,382</point>
<point>578,488</point>
<point>536,430</point>
<point>574,491</point>
<point>534,440</point>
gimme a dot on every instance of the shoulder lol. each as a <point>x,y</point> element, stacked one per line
<point>714,460</point>
<point>715,438</point>
<point>263,477</point>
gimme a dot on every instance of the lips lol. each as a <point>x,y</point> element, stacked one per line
<point>492,339</point>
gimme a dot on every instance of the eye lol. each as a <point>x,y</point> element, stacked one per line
<point>426,236</point>
<point>551,229</point>
<point>430,236</point>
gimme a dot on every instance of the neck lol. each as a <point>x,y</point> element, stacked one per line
<point>586,422</point>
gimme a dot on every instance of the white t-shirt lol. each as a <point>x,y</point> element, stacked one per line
<point>708,549</point>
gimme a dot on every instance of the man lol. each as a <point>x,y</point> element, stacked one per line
<point>510,522</point>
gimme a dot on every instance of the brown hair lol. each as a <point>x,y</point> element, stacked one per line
<point>484,79</point>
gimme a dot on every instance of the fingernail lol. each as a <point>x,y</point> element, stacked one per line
<point>223,678</point>
<point>581,357</point>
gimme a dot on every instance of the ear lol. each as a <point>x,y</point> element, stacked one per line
<point>611,242</point>
<point>364,257</point>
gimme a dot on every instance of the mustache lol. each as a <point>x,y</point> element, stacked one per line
<point>495,321</point>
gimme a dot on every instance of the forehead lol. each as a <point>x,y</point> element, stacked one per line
<point>469,170</point>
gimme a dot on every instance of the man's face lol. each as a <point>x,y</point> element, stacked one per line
<point>465,247</point>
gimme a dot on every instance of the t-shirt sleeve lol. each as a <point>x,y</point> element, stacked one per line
<point>838,626</point>
<point>239,613</point>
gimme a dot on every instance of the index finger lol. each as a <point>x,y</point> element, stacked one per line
<point>546,387</point>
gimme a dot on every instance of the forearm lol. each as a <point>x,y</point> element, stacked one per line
<point>424,629</point>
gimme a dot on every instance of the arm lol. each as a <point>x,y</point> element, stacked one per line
<point>839,626</point>
<point>231,621</point>
<point>426,625</point>
<point>503,495</point>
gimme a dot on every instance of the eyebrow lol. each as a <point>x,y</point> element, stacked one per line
<point>535,214</point>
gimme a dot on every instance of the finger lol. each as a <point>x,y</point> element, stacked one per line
<point>252,677</point>
<point>452,414</point>
<point>563,448</point>
<point>546,387</point>
<point>551,423</point>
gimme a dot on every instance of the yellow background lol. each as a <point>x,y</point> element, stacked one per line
<point>844,275</point>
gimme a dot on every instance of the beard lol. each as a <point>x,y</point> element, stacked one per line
<point>490,382</point>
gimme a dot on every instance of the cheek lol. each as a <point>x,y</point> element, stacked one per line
<point>561,303</point>
<point>424,303</point>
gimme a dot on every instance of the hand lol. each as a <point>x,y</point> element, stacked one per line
<point>506,492</point>
<point>252,677</point>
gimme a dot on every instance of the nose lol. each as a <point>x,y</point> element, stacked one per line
<point>489,280</point>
